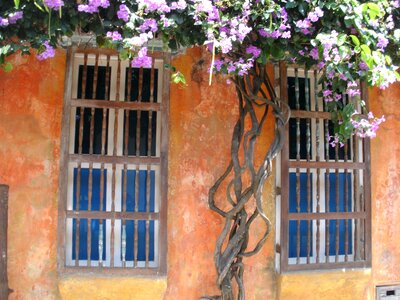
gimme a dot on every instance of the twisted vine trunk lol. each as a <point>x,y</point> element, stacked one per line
<point>244,180</point>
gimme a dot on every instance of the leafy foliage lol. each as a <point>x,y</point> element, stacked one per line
<point>348,40</point>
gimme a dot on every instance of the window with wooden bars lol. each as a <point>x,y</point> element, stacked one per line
<point>324,201</point>
<point>113,184</point>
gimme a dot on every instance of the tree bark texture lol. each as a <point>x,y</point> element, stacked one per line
<point>244,181</point>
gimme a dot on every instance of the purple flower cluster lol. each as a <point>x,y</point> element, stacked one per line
<point>54,4</point>
<point>367,127</point>
<point>382,42</point>
<point>352,89</point>
<point>123,13</point>
<point>229,66</point>
<point>149,24</point>
<point>231,31</point>
<point>12,18</point>
<point>48,52</point>
<point>114,35</point>
<point>305,25</point>
<point>4,22</point>
<point>142,60</point>
<point>334,140</point>
<point>155,5</point>
<point>93,6</point>
<point>253,50</point>
<point>283,30</point>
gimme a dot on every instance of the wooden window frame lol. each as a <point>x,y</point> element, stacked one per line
<point>161,160</point>
<point>285,164</point>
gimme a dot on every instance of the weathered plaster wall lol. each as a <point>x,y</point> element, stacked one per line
<point>30,127</point>
<point>103,288</point>
<point>385,170</point>
<point>201,119</point>
<point>338,284</point>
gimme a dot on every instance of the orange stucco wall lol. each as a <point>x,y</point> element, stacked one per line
<point>201,119</point>
<point>385,187</point>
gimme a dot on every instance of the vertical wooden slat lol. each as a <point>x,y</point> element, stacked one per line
<point>327,192</point>
<point>149,146</point>
<point>103,152</point>
<point>100,245</point>
<point>137,187</point>
<point>123,245</point>
<point>125,172</point>
<point>90,179</point>
<point>147,244</point>
<point>356,193</point>
<point>152,83</point>
<point>113,179</point>
<point>4,290</point>
<point>79,169</point>
<point>367,185</point>
<point>317,158</point>
<point>308,157</point>
<point>297,96</point>
<point>135,242</point>
<point>283,92</point>
<point>337,205</point>
<point>164,142</point>
<point>63,176</point>
<point>148,176</point>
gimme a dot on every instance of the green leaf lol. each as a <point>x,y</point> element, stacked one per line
<point>341,39</point>
<point>7,67</point>
<point>355,40</point>
<point>291,4</point>
<point>38,6</point>
<point>365,49</point>
<point>5,50</point>
<point>343,51</point>
<point>277,52</point>
<point>178,77</point>
<point>16,2</point>
<point>374,10</point>
<point>124,54</point>
<point>388,59</point>
<point>302,9</point>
